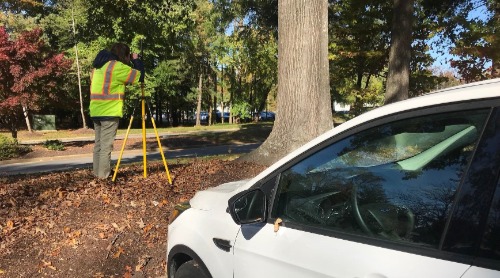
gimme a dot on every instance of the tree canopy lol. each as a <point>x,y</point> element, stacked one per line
<point>209,55</point>
<point>30,76</point>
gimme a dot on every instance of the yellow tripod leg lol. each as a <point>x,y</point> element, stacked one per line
<point>161,151</point>
<point>123,147</point>
<point>143,105</point>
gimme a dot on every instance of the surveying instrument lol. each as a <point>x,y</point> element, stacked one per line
<point>143,113</point>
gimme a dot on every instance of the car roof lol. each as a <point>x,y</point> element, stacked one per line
<point>473,91</point>
<point>487,89</point>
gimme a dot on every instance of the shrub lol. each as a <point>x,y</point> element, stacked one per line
<point>54,145</point>
<point>10,148</point>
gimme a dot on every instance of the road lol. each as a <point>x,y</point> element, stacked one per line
<point>52,164</point>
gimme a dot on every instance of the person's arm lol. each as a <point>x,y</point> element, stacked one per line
<point>138,65</point>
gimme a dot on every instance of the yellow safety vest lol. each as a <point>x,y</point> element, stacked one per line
<point>107,89</point>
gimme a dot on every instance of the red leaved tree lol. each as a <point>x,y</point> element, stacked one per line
<point>31,75</point>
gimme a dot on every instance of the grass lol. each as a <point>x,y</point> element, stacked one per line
<point>44,135</point>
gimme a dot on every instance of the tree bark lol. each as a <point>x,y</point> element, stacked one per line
<point>222,95</point>
<point>198,106</point>
<point>303,100</point>
<point>398,78</point>
<point>27,118</point>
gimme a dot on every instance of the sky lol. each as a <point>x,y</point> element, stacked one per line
<point>442,60</point>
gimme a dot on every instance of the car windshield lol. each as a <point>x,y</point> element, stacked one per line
<point>411,150</point>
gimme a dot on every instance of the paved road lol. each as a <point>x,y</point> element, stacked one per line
<point>29,166</point>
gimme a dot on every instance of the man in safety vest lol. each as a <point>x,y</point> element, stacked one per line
<point>112,71</point>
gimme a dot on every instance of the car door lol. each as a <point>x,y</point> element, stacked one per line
<point>374,202</point>
<point>487,172</point>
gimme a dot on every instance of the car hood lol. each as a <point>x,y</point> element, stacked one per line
<point>216,197</point>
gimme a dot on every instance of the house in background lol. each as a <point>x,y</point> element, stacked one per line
<point>341,107</point>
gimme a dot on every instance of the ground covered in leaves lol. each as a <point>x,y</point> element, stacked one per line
<point>69,224</point>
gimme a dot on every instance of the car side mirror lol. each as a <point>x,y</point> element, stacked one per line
<point>248,207</point>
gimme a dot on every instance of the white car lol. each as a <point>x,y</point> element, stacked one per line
<point>410,189</point>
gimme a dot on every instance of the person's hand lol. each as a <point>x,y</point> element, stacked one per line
<point>135,56</point>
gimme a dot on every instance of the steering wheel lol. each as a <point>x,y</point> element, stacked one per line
<point>387,220</point>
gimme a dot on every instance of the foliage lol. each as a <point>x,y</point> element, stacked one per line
<point>27,7</point>
<point>54,145</point>
<point>358,50</point>
<point>262,15</point>
<point>31,75</point>
<point>474,40</point>
<point>15,23</point>
<point>9,148</point>
<point>232,45</point>
<point>241,110</point>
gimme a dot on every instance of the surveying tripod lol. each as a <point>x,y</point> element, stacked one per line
<point>143,110</point>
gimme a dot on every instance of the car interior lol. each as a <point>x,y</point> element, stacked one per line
<point>395,181</point>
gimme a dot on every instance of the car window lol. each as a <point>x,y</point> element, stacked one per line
<point>490,246</point>
<point>396,181</point>
<point>477,209</point>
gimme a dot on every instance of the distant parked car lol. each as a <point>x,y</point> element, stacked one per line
<point>266,116</point>
<point>204,116</point>
<point>410,189</point>
<point>218,116</point>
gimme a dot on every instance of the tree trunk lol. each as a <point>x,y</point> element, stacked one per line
<point>27,118</point>
<point>398,78</point>
<point>222,96</point>
<point>230,107</point>
<point>84,121</point>
<point>198,106</point>
<point>303,100</point>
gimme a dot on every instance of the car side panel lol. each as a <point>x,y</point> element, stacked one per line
<point>264,253</point>
<point>475,272</point>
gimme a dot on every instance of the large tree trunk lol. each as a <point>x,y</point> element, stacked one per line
<point>398,78</point>
<point>303,101</point>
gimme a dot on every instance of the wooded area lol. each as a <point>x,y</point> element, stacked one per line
<point>207,55</point>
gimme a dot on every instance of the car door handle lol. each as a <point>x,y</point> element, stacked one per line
<point>223,244</point>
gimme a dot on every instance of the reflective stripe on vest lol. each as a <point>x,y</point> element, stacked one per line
<point>131,77</point>
<point>107,77</point>
<point>106,86</point>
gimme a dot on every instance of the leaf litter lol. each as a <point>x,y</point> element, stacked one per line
<point>69,224</point>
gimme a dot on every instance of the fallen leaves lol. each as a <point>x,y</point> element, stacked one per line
<point>147,228</point>
<point>92,228</point>
<point>128,272</point>
<point>45,264</point>
<point>118,253</point>
<point>40,231</point>
<point>143,261</point>
<point>10,224</point>
<point>141,223</point>
<point>10,227</point>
